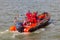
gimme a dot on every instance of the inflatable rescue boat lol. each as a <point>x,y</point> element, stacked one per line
<point>34,26</point>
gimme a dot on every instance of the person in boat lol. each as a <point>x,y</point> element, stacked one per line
<point>27,18</point>
<point>47,14</point>
<point>30,18</point>
<point>18,23</point>
<point>34,16</point>
<point>42,16</point>
<point>28,14</point>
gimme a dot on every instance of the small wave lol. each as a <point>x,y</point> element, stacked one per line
<point>18,33</point>
<point>4,32</point>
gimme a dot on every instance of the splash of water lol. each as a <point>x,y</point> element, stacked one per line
<point>4,32</point>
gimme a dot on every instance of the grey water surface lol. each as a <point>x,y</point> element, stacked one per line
<point>9,8</point>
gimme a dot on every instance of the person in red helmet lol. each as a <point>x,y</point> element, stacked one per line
<point>28,14</point>
<point>28,18</point>
<point>34,17</point>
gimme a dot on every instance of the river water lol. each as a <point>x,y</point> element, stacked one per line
<point>9,8</point>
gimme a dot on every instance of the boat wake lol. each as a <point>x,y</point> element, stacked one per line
<point>4,32</point>
<point>14,33</point>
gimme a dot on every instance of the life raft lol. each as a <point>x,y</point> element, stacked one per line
<point>34,26</point>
